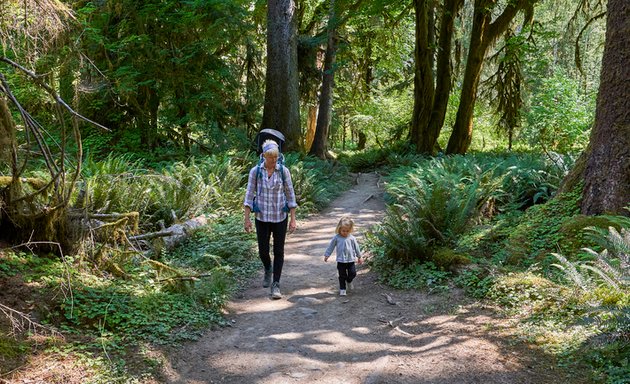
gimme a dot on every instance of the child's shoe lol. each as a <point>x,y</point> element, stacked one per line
<point>342,292</point>
<point>350,286</point>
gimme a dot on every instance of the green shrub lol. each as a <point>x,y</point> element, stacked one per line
<point>561,117</point>
<point>447,258</point>
<point>527,293</point>
<point>316,182</point>
<point>539,232</point>
<point>417,275</point>
<point>583,315</point>
<point>475,282</point>
<point>178,192</point>
<point>395,155</point>
<point>223,244</point>
<point>433,204</point>
<point>10,348</point>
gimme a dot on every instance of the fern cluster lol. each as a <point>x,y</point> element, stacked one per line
<point>177,192</point>
<point>434,202</point>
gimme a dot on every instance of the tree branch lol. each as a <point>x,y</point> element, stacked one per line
<point>51,91</point>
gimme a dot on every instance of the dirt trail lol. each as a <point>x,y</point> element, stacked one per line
<point>314,335</point>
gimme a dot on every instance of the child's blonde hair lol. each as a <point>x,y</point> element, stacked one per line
<point>345,222</point>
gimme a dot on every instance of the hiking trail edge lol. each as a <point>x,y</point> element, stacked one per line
<point>374,335</point>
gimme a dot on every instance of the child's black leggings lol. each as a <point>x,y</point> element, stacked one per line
<point>264,230</point>
<point>347,273</point>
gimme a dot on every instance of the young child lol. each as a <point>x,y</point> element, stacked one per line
<point>348,251</point>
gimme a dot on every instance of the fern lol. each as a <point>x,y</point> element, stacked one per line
<point>571,272</point>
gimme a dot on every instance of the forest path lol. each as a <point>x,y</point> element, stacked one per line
<point>314,335</point>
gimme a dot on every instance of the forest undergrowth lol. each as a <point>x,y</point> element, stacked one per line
<point>489,223</point>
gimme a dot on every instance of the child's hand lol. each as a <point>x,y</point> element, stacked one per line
<point>326,258</point>
<point>360,260</point>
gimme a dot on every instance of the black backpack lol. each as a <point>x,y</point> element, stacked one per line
<point>269,134</point>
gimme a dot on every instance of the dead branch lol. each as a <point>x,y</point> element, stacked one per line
<point>186,278</point>
<point>152,235</point>
<point>391,322</point>
<point>389,299</point>
<point>403,332</point>
<point>37,79</point>
<point>21,322</point>
<point>115,216</point>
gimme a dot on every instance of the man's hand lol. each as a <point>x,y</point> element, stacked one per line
<point>248,225</point>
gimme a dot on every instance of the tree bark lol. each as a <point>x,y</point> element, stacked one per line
<point>8,143</point>
<point>320,142</point>
<point>146,109</point>
<point>423,90</point>
<point>607,173</point>
<point>311,124</point>
<point>281,110</point>
<point>443,76</point>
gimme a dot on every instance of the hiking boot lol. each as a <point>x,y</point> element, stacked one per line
<point>267,278</point>
<point>342,292</point>
<point>350,286</point>
<point>275,290</point>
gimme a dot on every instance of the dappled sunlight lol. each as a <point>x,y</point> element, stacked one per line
<point>287,336</point>
<point>305,257</point>
<point>315,335</point>
<point>264,304</point>
<point>437,320</point>
<point>337,342</point>
<point>309,296</point>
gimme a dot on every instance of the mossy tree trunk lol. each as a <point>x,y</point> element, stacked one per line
<point>431,94</point>
<point>484,32</point>
<point>607,171</point>
<point>320,141</point>
<point>423,81</point>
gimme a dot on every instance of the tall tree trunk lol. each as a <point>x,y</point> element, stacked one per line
<point>311,124</point>
<point>607,173</point>
<point>362,140</point>
<point>146,107</point>
<point>483,34</point>
<point>182,117</point>
<point>8,143</point>
<point>320,142</point>
<point>443,76</point>
<point>423,90</point>
<point>368,66</point>
<point>282,110</point>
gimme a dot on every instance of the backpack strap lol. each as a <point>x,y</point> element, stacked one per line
<point>259,171</point>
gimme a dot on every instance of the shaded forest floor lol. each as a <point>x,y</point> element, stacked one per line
<point>373,335</point>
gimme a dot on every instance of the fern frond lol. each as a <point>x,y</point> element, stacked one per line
<point>570,271</point>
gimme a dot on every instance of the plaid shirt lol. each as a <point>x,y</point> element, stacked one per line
<point>269,194</point>
<point>347,248</point>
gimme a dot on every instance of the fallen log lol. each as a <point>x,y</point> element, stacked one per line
<point>174,234</point>
<point>151,235</point>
